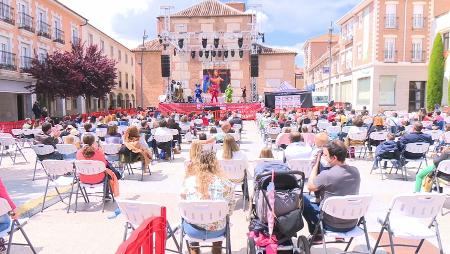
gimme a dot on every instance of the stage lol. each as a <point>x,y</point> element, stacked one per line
<point>247,110</point>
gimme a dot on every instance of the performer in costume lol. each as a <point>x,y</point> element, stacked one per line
<point>198,94</point>
<point>206,82</point>
<point>229,94</point>
<point>215,85</point>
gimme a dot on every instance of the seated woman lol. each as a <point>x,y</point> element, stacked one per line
<point>308,136</point>
<point>194,155</point>
<point>205,182</point>
<point>112,136</point>
<point>266,153</point>
<point>5,220</point>
<point>424,172</point>
<point>136,146</point>
<point>230,150</point>
<point>282,139</point>
<point>70,140</point>
<point>92,152</point>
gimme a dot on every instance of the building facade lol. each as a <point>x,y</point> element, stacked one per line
<point>30,28</point>
<point>218,24</point>
<point>381,56</point>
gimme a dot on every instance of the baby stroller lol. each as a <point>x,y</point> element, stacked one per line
<point>288,206</point>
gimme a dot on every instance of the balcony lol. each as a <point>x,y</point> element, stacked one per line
<point>391,21</point>
<point>26,22</point>
<point>59,36</point>
<point>418,21</point>
<point>8,61</point>
<point>417,56</point>
<point>43,29</point>
<point>6,13</point>
<point>25,64</point>
<point>390,56</point>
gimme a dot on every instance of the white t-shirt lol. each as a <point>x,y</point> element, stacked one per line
<point>297,150</point>
<point>238,155</point>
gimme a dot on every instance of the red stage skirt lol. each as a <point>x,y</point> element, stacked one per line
<point>247,110</point>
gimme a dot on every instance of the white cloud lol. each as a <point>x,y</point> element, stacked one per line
<point>298,47</point>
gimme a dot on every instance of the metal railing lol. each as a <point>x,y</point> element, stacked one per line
<point>390,56</point>
<point>7,13</point>
<point>8,61</point>
<point>418,21</point>
<point>43,29</point>
<point>417,56</point>
<point>25,63</point>
<point>391,21</point>
<point>26,22</point>
<point>59,36</point>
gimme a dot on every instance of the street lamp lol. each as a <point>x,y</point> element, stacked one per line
<point>142,68</point>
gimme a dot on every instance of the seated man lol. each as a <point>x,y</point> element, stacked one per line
<point>218,137</point>
<point>162,130</point>
<point>48,137</point>
<point>297,149</point>
<point>340,180</point>
<point>386,150</point>
<point>414,137</point>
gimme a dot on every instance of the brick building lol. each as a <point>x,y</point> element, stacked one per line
<point>210,20</point>
<point>381,56</point>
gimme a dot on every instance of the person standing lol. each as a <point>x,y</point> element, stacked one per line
<point>37,110</point>
<point>244,94</point>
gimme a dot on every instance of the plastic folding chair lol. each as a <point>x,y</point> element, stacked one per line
<point>350,207</point>
<point>236,172</point>
<point>416,148</point>
<point>18,134</point>
<point>16,225</point>
<point>358,136</point>
<point>333,130</point>
<point>41,150</point>
<point>272,132</point>
<point>345,129</point>
<point>165,139</point>
<point>68,151</point>
<point>101,133</point>
<point>302,165</point>
<point>59,174</point>
<point>111,151</point>
<point>136,212</point>
<point>405,219</point>
<point>7,145</point>
<point>323,125</point>
<point>443,186</point>
<point>90,167</point>
<point>204,212</point>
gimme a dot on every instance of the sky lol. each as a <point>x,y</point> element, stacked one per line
<point>286,23</point>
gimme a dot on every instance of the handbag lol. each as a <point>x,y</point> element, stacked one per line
<point>427,183</point>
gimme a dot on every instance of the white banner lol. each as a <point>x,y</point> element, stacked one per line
<point>287,101</point>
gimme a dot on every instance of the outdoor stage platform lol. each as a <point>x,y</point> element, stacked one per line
<point>247,110</point>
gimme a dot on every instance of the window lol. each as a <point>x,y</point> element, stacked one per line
<point>102,46</point>
<point>363,91</point>
<point>112,51</point>
<point>349,59</point>
<point>417,53</point>
<point>120,79</point>
<point>132,81</point>
<point>25,56</point>
<point>389,50</point>
<point>418,16</point>
<point>445,40</point>
<point>42,25</point>
<point>126,80</point>
<point>91,39</point>
<point>387,90</point>
<point>359,52</point>
<point>390,20</point>
<point>126,58</point>
<point>42,54</point>
<point>120,55</point>
<point>75,38</point>
<point>57,25</point>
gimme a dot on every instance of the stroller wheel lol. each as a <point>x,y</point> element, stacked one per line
<point>303,245</point>
<point>251,249</point>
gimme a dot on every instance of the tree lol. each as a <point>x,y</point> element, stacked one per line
<point>435,74</point>
<point>81,72</point>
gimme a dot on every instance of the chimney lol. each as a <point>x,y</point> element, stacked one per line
<point>240,6</point>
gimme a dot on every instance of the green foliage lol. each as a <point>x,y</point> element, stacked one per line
<point>435,74</point>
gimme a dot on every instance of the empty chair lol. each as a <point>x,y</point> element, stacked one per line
<point>42,152</point>
<point>58,175</point>
<point>205,212</point>
<point>111,151</point>
<point>302,165</point>
<point>68,151</point>
<point>357,140</point>
<point>411,216</point>
<point>16,225</point>
<point>323,125</point>
<point>101,133</point>
<point>10,146</point>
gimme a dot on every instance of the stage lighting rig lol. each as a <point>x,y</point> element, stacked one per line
<point>240,42</point>
<point>207,54</point>
<point>204,42</point>
<point>200,53</point>
<point>225,53</point>
<point>216,42</point>
<point>219,53</point>
<point>232,53</point>
<point>213,53</point>
<point>180,43</point>
<point>193,54</point>
<point>241,53</point>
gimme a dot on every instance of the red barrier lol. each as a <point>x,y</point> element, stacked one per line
<point>148,238</point>
<point>247,110</point>
<point>8,126</point>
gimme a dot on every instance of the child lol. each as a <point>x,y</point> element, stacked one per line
<point>386,150</point>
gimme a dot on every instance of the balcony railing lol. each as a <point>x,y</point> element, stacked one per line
<point>43,29</point>
<point>8,61</point>
<point>417,56</point>
<point>391,21</point>
<point>418,21</point>
<point>26,22</point>
<point>25,63</point>
<point>6,13</point>
<point>59,36</point>
<point>390,56</point>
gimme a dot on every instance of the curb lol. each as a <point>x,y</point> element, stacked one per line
<point>33,206</point>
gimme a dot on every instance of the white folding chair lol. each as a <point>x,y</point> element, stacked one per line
<point>68,151</point>
<point>122,128</point>
<point>237,127</point>
<point>165,139</point>
<point>442,185</point>
<point>204,212</point>
<point>58,175</point>
<point>210,147</point>
<point>345,129</point>
<point>236,172</point>
<point>405,219</point>
<point>101,132</point>
<point>272,132</point>
<point>350,207</point>
<point>323,125</point>
<point>90,167</point>
<point>111,151</point>
<point>18,134</point>
<point>358,136</point>
<point>16,225</point>
<point>416,148</point>
<point>136,212</point>
<point>303,165</point>
<point>333,130</point>
<point>41,150</point>
<point>10,146</point>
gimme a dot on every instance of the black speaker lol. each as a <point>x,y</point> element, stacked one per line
<point>254,66</point>
<point>165,66</point>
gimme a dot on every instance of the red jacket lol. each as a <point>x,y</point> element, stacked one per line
<point>4,194</point>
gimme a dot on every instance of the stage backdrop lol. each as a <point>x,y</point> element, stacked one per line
<point>288,100</point>
<point>222,76</point>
